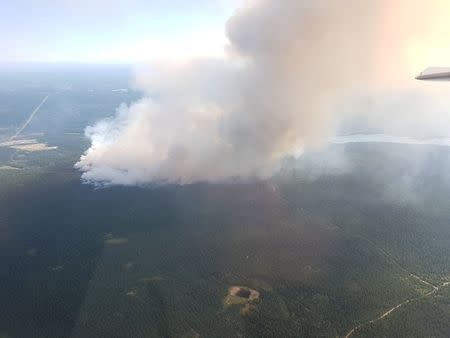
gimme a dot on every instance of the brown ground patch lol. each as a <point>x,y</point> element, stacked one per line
<point>241,295</point>
<point>28,145</point>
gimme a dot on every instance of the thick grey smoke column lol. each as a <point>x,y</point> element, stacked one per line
<point>210,120</point>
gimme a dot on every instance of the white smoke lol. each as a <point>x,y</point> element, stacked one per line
<point>289,64</point>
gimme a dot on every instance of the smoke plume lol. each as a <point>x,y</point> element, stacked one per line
<point>289,65</point>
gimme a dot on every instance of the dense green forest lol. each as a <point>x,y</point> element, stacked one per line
<point>333,242</point>
<point>326,254</point>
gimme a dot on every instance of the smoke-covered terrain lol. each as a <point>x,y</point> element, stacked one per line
<point>295,187</point>
<point>295,71</point>
<point>333,240</point>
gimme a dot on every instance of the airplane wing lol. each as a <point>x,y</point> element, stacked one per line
<point>435,74</point>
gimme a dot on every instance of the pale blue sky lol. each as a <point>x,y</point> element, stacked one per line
<point>111,31</point>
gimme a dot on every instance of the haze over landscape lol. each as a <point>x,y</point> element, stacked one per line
<point>224,168</point>
<point>212,119</point>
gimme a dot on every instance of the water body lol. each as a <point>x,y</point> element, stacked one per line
<point>383,138</point>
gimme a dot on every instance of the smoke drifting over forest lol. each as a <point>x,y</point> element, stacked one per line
<point>291,67</point>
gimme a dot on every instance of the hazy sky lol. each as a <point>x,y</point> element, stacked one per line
<point>111,31</point>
